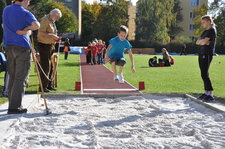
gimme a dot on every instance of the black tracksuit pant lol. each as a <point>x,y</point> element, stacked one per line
<point>204,64</point>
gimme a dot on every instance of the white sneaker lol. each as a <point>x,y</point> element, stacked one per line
<point>116,78</point>
<point>121,78</point>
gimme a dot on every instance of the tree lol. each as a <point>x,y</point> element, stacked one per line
<point>175,29</point>
<point>217,9</point>
<point>199,12</point>
<point>8,2</point>
<point>2,6</point>
<point>154,18</point>
<point>216,6</point>
<point>103,21</point>
<point>89,17</point>
<point>110,19</point>
<point>220,26</point>
<point>68,22</point>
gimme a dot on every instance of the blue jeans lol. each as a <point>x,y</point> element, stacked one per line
<point>100,59</point>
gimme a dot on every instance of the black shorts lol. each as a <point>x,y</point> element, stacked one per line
<point>119,62</point>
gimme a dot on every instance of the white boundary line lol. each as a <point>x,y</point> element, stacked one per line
<point>81,79</point>
<point>125,89</point>
<point>125,80</point>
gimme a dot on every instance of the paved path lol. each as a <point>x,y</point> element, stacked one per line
<point>97,79</point>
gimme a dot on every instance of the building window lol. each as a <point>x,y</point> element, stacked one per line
<point>192,15</point>
<point>194,3</point>
<point>191,27</point>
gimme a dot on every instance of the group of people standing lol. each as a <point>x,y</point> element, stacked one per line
<point>95,52</point>
<point>18,24</point>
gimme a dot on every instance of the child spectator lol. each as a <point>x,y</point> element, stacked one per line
<point>87,52</point>
<point>100,48</point>
<point>115,53</point>
<point>171,60</point>
<point>66,48</point>
<point>166,57</point>
<point>152,62</point>
<point>93,53</point>
<point>104,50</point>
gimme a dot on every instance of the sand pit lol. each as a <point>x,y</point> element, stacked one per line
<point>135,122</point>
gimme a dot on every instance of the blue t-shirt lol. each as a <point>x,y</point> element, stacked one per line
<point>118,47</point>
<point>15,17</point>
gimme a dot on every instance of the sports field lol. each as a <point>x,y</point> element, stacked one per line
<point>183,77</point>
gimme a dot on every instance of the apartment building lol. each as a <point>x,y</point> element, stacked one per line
<point>188,16</point>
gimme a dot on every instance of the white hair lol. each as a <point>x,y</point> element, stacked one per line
<point>56,11</point>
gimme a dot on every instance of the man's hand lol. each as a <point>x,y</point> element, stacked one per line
<point>24,32</point>
<point>54,37</point>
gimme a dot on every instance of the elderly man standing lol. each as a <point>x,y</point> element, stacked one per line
<point>18,23</point>
<point>47,37</point>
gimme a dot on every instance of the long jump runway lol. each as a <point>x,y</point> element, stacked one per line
<point>97,79</point>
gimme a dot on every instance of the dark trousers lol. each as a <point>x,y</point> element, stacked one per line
<point>66,55</point>
<point>204,64</point>
<point>19,62</point>
<point>46,51</point>
<point>88,57</point>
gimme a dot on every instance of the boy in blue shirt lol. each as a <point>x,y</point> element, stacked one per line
<point>115,53</point>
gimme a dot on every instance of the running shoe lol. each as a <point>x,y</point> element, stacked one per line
<point>121,78</point>
<point>116,78</point>
<point>209,99</point>
<point>202,96</point>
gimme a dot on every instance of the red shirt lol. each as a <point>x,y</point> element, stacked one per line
<point>94,51</point>
<point>100,48</point>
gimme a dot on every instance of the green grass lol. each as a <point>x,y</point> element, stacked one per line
<point>183,77</point>
<point>68,74</point>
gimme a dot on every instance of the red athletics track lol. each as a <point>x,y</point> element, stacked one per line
<point>97,79</point>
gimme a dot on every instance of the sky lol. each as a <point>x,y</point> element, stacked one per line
<point>133,1</point>
<point>90,1</point>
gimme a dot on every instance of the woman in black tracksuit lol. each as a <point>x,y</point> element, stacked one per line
<point>206,49</point>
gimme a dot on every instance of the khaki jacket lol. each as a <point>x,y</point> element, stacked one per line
<point>47,26</point>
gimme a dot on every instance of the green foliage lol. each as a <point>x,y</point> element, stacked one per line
<point>154,18</point>
<point>110,19</point>
<point>174,29</point>
<point>8,2</point>
<point>68,22</point>
<point>199,12</point>
<point>2,6</point>
<point>217,9</point>
<point>220,25</point>
<point>103,21</point>
<point>183,39</point>
<point>88,19</point>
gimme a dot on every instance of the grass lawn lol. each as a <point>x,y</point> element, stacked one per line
<point>183,77</point>
<point>68,74</point>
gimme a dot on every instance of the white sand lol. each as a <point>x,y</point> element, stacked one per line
<point>128,122</point>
